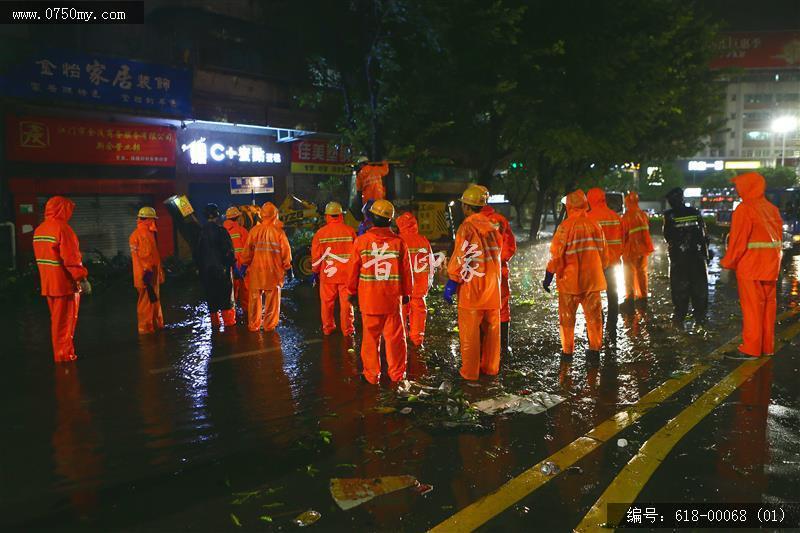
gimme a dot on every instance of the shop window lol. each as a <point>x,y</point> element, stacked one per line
<point>755,116</point>
<point>758,98</point>
<point>758,135</point>
<point>747,153</point>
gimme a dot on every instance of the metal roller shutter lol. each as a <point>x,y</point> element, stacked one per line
<point>104,223</point>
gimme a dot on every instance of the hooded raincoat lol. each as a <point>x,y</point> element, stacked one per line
<point>754,252</point>
<point>60,265</point>
<point>421,255</point>
<point>268,256</point>
<point>578,257</point>
<point>476,266</point>
<point>145,258</point>
<point>238,234</point>
<point>331,251</point>
<point>636,247</point>
<point>369,180</point>
<point>380,274</point>
<point>611,224</point>
<point>509,248</point>
<point>215,260</point>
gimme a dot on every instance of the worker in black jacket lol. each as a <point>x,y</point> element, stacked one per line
<point>685,233</point>
<point>215,260</point>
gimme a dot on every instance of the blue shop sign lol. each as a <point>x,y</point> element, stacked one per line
<point>100,80</point>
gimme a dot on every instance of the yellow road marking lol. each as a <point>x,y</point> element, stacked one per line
<point>630,481</point>
<point>478,513</point>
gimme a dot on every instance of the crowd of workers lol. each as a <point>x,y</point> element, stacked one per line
<point>387,275</point>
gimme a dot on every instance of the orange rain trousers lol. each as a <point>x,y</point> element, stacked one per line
<point>635,277</point>
<point>328,294</point>
<point>416,311</point>
<point>759,305</point>
<point>264,307</point>
<point>149,313</point>
<point>479,334</point>
<point>63,319</point>
<point>391,328</point>
<point>592,311</point>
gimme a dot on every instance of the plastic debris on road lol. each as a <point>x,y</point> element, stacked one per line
<point>532,404</point>
<point>307,518</point>
<point>549,468</point>
<point>622,443</point>
<point>352,492</point>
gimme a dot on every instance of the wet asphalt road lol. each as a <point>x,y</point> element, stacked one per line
<point>194,430</point>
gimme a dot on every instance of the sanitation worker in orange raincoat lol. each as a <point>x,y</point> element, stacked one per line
<point>578,257</point>
<point>238,235</point>
<point>266,258</point>
<point>380,279</point>
<point>754,252</point>
<point>636,248</point>
<point>422,265</point>
<point>331,251</point>
<point>474,274</point>
<point>147,272</point>
<point>611,224</point>
<point>509,249</point>
<point>369,179</point>
<point>62,274</point>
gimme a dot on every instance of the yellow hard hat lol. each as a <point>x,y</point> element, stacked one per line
<point>382,208</point>
<point>147,212</point>
<point>475,195</point>
<point>333,208</point>
<point>232,212</point>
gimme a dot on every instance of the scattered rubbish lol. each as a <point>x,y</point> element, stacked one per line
<point>455,329</point>
<point>423,488</point>
<point>533,403</point>
<point>273,505</point>
<point>384,410</point>
<point>622,443</point>
<point>265,518</point>
<point>412,398</point>
<point>549,468</point>
<point>307,518</point>
<point>345,465</point>
<point>406,411</point>
<point>352,492</point>
<point>446,386</point>
<point>235,520</point>
<point>325,436</point>
<point>351,350</point>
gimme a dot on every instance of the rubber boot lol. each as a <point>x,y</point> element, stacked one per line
<point>504,338</point>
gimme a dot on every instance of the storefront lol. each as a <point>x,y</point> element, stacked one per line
<point>109,169</point>
<point>214,158</point>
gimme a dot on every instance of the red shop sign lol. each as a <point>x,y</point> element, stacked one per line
<point>323,152</point>
<point>55,140</point>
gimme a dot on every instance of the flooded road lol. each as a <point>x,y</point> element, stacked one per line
<point>211,431</point>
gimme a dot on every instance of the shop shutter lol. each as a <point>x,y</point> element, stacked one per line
<point>104,223</point>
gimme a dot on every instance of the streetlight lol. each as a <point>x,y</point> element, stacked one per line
<point>784,125</point>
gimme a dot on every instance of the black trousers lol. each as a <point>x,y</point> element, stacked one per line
<point>688,281</point>
<point>218,286</point>
<point>611,290</point>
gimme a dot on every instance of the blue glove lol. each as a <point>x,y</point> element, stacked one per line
<point>450,291</point>
<point>314,279</point>
<point>548,279</point>
<point>242,271</point>
<point>148,277</point>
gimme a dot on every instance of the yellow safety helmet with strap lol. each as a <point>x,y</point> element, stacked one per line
<point>475,195</point>
<point>333,208</point>
<point>485,192</point>
<point>382,208</point>
<point>147,212</point>
<point>232,213</point>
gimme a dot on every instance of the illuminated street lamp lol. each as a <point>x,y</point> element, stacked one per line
<point>784,125</point>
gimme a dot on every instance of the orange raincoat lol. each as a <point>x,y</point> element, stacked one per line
<point>268,256</point>
<point>611,224</point>
<point>754,252</point>
<point>636,247</point>
<point>380,273</point>
<point>145,258</point>
<point>578,256</point>
<point>238,235</point>
<point>331,250</point>
<point>475,266</point>
<point>509,249</point>
<point>421,255</point>
<point>369,181</point>
<point>60,265</point>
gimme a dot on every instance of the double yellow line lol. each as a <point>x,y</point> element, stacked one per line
<point>486,508</point>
